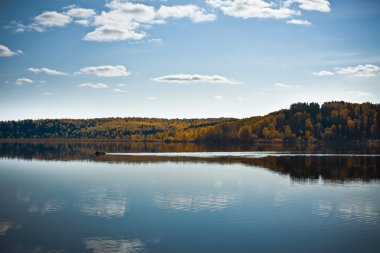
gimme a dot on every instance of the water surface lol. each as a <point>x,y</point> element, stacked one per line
<point>62,198</point>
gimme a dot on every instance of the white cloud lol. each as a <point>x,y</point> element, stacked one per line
<point>193,12</point>
<point>151,98</point>
<point>282,85</point>
<point>323,73</point>
<point>194,78</point>
<point>311,5</point>
<point>252,9</point>
<point>122,85</point>
<point>52,19</point>
<point>121,22</point>
<point>81,16</point>
<point>120,91</point>
<point>367,70</point>
<point>81,13</point>
<point>131,11</point>
<point>155,41</point>
<point>46,71</point>
<point>218,97</point>
<point>106,71</point>
<point>359,93</point>
<point>6,52</point>
<point>126,21</point>
<point>21,81</point>
<point>46,93</point>
<point>299,22</point>
<point>94,85</point>
<point>110,33</point>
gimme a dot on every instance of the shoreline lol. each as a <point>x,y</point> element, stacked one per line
<point>270,142</point>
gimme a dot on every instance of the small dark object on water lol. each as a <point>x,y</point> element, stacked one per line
<point>97,153</point>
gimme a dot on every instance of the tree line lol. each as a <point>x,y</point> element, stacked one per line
<point>301,122</point>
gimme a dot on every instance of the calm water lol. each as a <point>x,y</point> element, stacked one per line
<point>59,197</point>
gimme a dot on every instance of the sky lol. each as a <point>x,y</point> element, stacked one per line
<point>184,59</point>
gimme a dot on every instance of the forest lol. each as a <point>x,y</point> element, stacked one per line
<point>302,122</point>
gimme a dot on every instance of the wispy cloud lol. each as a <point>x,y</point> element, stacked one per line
<point>367,70</point>
<point>106,71</point>
<point>359,93</point>
<point>19,27</point>
<point>282,85</point>
<point>94,85</point>
<point>22,81</point>
<point>46,71</point>
<point>194,78</point>
<point>6,52</point>
<point>323,73</point>
<point>218,97</point>
<point>120,90</point>
<point>46,93</point>
<point>299,22</point>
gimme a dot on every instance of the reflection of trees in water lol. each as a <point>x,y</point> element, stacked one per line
<point>334,168</point>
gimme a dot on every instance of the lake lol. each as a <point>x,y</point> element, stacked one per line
<point>60,197</point>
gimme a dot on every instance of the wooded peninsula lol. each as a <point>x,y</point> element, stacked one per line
<point>302,122</point>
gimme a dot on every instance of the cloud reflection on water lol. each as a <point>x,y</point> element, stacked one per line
<point>103,202</point>
<point>38,205</point>
<point>323,208</point>
<point>35,249</point>
<point>5,226</point>
<point>194,202</point>
<point>107,245</point>
<point>362,211</point>
<point>46,207</point>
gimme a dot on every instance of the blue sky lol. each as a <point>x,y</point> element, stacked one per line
<point>184,59</point>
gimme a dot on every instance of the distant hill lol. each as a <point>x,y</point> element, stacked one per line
<point>301,122</point>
